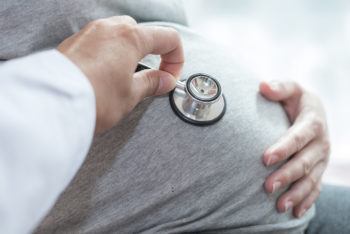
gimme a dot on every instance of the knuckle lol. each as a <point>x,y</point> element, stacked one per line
<point>317,124</point>
<point>281,86</point>
<point>125,30</point>
<point>174,35</point>
<point>283,152</point>
<point>299,194</point>
<point>127,18</point>
<point>306,164</point>
<point>285,178</point>
<point>99,24</point>
<point>129,33</point>
<point>312,182</point>
<point>151,84</point>
<point>299,141</point>
<point>296,89</point>
<point>326,147</point>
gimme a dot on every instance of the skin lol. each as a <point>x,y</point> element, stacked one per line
<point>305,145</point>
<point>107,52</point>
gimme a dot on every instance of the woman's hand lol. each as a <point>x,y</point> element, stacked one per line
<point>305,145</point>
<point>108,50</point>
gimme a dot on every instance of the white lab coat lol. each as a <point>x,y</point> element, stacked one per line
<point>47,120</point>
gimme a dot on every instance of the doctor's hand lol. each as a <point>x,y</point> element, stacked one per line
<point>305,145</point>
<point>108,50</point>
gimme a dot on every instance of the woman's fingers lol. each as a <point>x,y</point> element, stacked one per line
<point>297,137</point>
<point>306,204</point>
<point>280,91</point>
<point>306,144</point>
<point>301,189</point>
<point>299,166</point>
<point>309,123</point>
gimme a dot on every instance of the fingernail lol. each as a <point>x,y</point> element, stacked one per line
<point>288,205</point>
<point>276,186</point>
<point>271,160</point>
<point>274,85</point>
<point>301,213</point>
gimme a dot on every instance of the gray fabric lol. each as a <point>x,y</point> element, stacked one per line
<point>153,173</point>
<point>30,25</point>
<point>333,211</point>
<point>156,174</point>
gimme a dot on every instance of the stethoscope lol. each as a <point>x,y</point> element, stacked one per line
<point>198,100</point>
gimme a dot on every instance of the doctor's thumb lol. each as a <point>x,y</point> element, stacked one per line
<point>152,83</point>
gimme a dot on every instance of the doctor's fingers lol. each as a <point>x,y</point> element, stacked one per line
<point>145,40</point>
<point>302,189</point>
<point>152,82</point>
<point>299,166</point>
<point>163,41</point>
<point>121,19</point>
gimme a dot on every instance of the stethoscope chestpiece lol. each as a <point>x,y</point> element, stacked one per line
<point>198,100</point>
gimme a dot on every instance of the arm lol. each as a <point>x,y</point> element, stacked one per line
<point>48,108</point>
<point>43,141</point>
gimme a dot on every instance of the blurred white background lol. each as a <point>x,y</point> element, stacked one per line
<point>308,41</point>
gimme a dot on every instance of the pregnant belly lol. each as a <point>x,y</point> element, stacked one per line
<point>154,173</point>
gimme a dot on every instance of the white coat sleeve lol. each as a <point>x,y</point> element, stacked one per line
<point>47,121</point>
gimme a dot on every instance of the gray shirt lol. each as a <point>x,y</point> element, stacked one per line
<point>153,173</point>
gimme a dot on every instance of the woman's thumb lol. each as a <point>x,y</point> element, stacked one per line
<point>153,82</point>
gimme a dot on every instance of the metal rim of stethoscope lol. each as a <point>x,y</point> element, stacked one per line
<point>188,83</point>
<point>193,121</point>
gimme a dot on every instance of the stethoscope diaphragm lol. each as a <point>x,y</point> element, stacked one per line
<point>197,100</point>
